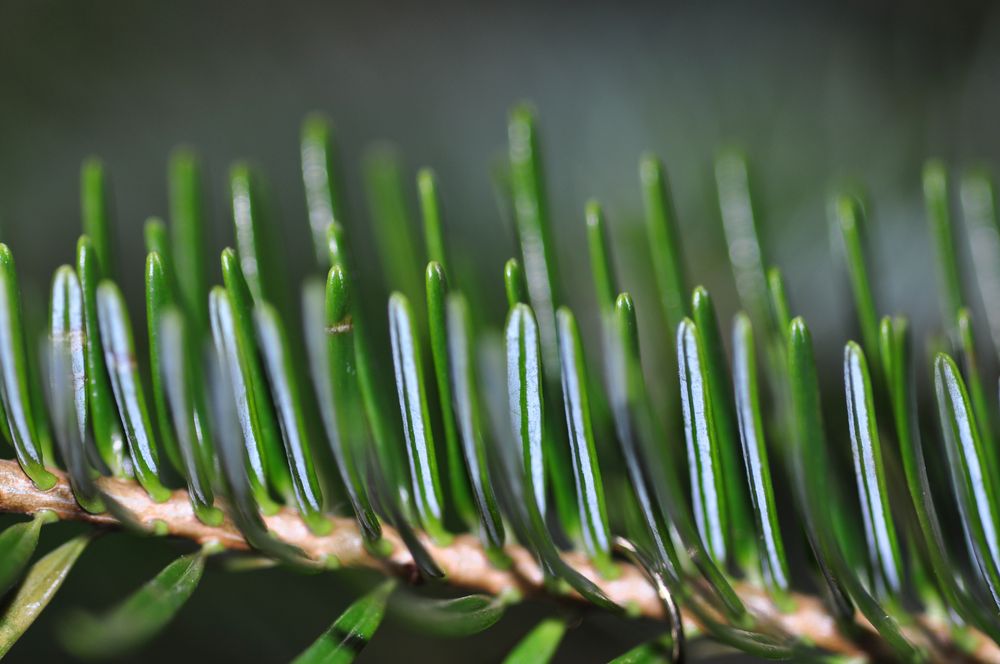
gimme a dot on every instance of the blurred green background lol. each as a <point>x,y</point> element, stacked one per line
<point>818,94</point>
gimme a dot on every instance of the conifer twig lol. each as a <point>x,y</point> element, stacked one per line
<point>464,562</point>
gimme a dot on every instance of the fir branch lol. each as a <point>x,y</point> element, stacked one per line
<point>464,563</point>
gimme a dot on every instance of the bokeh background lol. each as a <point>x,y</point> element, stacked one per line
<point>820,95</point>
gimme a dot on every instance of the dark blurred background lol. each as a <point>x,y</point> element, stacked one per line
<point>818,94</point>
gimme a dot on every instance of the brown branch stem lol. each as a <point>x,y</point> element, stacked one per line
<point>463,560</point>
